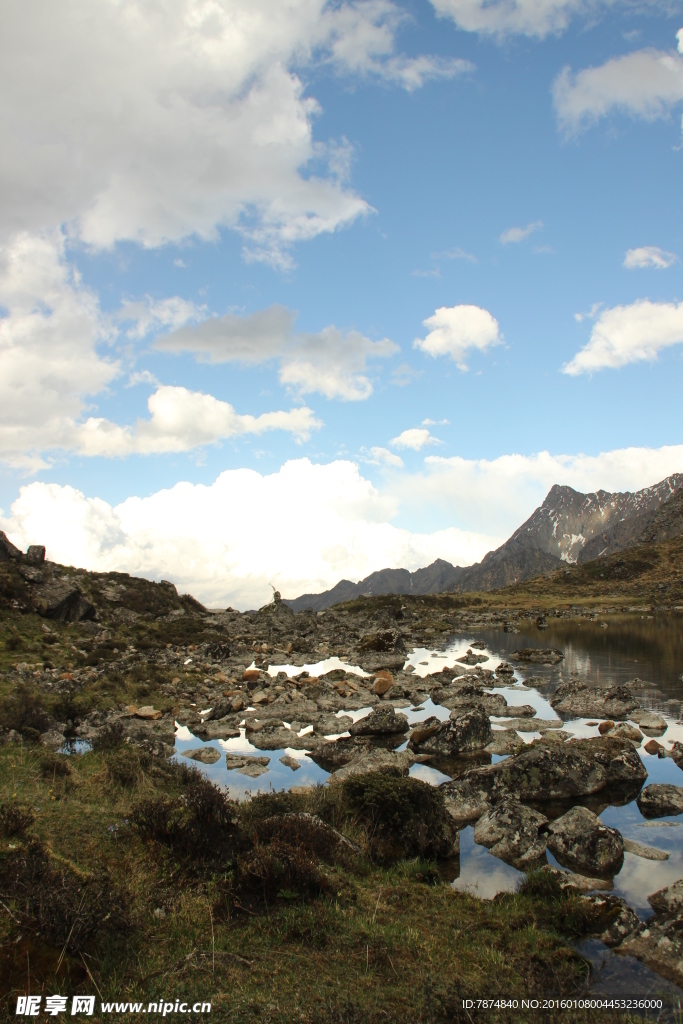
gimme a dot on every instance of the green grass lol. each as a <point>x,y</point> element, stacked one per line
<point>374,944</point>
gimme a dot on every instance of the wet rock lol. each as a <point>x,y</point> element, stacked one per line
<point>580,839</point>
<point>621,919</point>
<point>572,880</point>
<point>472,659</point>
<point>563,771</point>
<point>576,700</point>
<point>460,734</point>
<point>391,761</point>
<point>468,797</point>
<point>660,799</point>
<point>383,682</point>
<point>605,727</point>
<point>541,725</point>
<point>505,670</point>
<point>290,762</point>
<point>505,742</point>
<point>650,722</point>
<point>652,747</point>
<point>521,711</point>
<point>626,731</point>
<point>220,709</point>
<point>646,852</point>
<point>466,696</point>
<point>511,832</point>
<point>658,942</point>
<point>206,755</point>
<point>677,753</point>
<point>537,656</point>
<point>383,721</point>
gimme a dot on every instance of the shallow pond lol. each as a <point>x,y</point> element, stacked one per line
<point>609,650</point>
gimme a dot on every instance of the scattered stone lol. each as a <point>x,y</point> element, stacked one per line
<point>467,798</point>
<point>659,799</point>
<point>652,747</point>
<point>148,713</point>
<point>253,770</point>
<point>290,762</point>
<point>646,852</point>
<point>207,755</point>
<point>383,682</point>
<point>472,659</point>
<point>626,731</point>
<point>623,919</point>
<point>572,880</point>
<point>466,732</point>
<point>604,727</point>
<point>537,656</point>
<point>580,839</point>
<point>650,722</point>
<point>504,742</point>
<point>511,832</point>
<point>237,761</point>
<point>658,942</point>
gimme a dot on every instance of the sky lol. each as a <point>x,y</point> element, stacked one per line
<point>295,290</point>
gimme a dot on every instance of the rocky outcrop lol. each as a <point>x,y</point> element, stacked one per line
<point>660,799</point>
<point>511,832</point>
<point>579,839</point>
<point>8,550</point>
<point>577,700</point>
<point>460,734</point>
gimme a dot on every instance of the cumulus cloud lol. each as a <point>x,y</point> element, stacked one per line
<point>497,495</point>
<point>381,457</point>
<point>646,84</point>
<point>514,235</point>
<point>649,256</point>
<point>330,362</point>
<point>55,354</point>
<point>456,330</point>
<point>224,544</point>
<point>502,18</point>
<point>415,438</point>
<point>154,122</point>
<point>629,334</point>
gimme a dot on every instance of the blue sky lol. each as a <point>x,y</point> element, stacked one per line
<point>220,211</point>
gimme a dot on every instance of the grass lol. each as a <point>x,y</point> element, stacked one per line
<point>137,916</point>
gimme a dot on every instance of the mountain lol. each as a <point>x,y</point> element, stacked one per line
<point>568,527</point>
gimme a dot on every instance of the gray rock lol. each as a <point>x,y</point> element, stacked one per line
<point>383,721</point>
<point>623,920</point>
<point>52,739</point>
<point>460,734</point>
<point>290,762</point>
<point>649,721</point>
<point>35,555</point>
<point>660,799</point>
<point>220,709</point>
<point>468,797</point>
<point>576,700</point>
<point>224,729</point>
<point>646,852</point>
<point>504,742</point>
<point>57,599</point>
<point>580,839</point>
<point>658,942</point>
<point>206,755</point>
<point>511,832</point>
<point>472,659</point>
<point>537,656</point>
<point>391,761</point>
<point>626,731</point>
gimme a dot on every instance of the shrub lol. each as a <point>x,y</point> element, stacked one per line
<point>401,817</point>
<point>123,765</point>
<point>14,819</point>
<point>108,738</point>
<point>280,869</point>
<point>54,765</point>
<point>24,711</point>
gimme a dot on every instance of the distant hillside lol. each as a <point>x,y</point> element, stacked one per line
<point>569,527</point>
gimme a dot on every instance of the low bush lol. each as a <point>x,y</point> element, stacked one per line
<point>23,711</point>
<point>14,819</point>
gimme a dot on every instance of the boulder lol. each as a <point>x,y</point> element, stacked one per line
<point>220,709</point>
<point>626,731</point>
<point>580,839</point>
<point>465,698</point>
<point>576,700</point>
<point>468,797</point>
<point>537,656</point>
<point>571,770</point>
<point>660,799</point>
<point>645,852</point>
<point>511,832</point>
<point>504,742</point>
<point>605,727</point>
<point>472,659</point>
<point>391,761</point>
<point>35,554</point>
<point>383,682</point>
<point>649,721</point>
<point>460,734</point>
<point>57,599</point>
<point>290,762</point>
<point>7,549</point>
<point>652,747</point>
<point>658,942</point>
<point>206,755</point>
<point>383,721</point>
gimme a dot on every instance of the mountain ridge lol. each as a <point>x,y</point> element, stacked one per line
<point>568,527</point>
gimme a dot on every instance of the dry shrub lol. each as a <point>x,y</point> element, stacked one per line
<point>201,824</point>
<point>54,766</point>
<point>66,910</point>
<point>280,869</point>
<point>400,817</point>
<point>109,737</point>
<point>14,819</point>
<point>123,764</point>
<point>23,711</point>
<point>309,833</point>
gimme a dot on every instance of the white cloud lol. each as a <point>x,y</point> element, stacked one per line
<point>436,423</point>
<point>454,254</point>
<point>517,17</point>
<point>381,457</point>
<point>223,543</point>
<point>51,339</point>
<point>181,420</point>
<point>157,121</point>
<point>333,363</point>
<point>251,339</point>
<point>148,314</point>
<point>646,84</point>
<point>629,334</point>
<point>514,235</point>
<point>649,256</point>
<point>456,330</point>
<point>495,496</point>
<point>415,438</point>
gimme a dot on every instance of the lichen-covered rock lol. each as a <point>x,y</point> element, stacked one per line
<point>576,700</point>
<point>579,839</point>
<point>388,761</point>
<point>205,755</point>
<point>658,942</point>
<point>511,832</point>
<point>382,721</point>
<point>460,734</point>
<point>468,797</point>
<point>660,799</point>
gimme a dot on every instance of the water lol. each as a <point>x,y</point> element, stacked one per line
<point>646,647</point>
